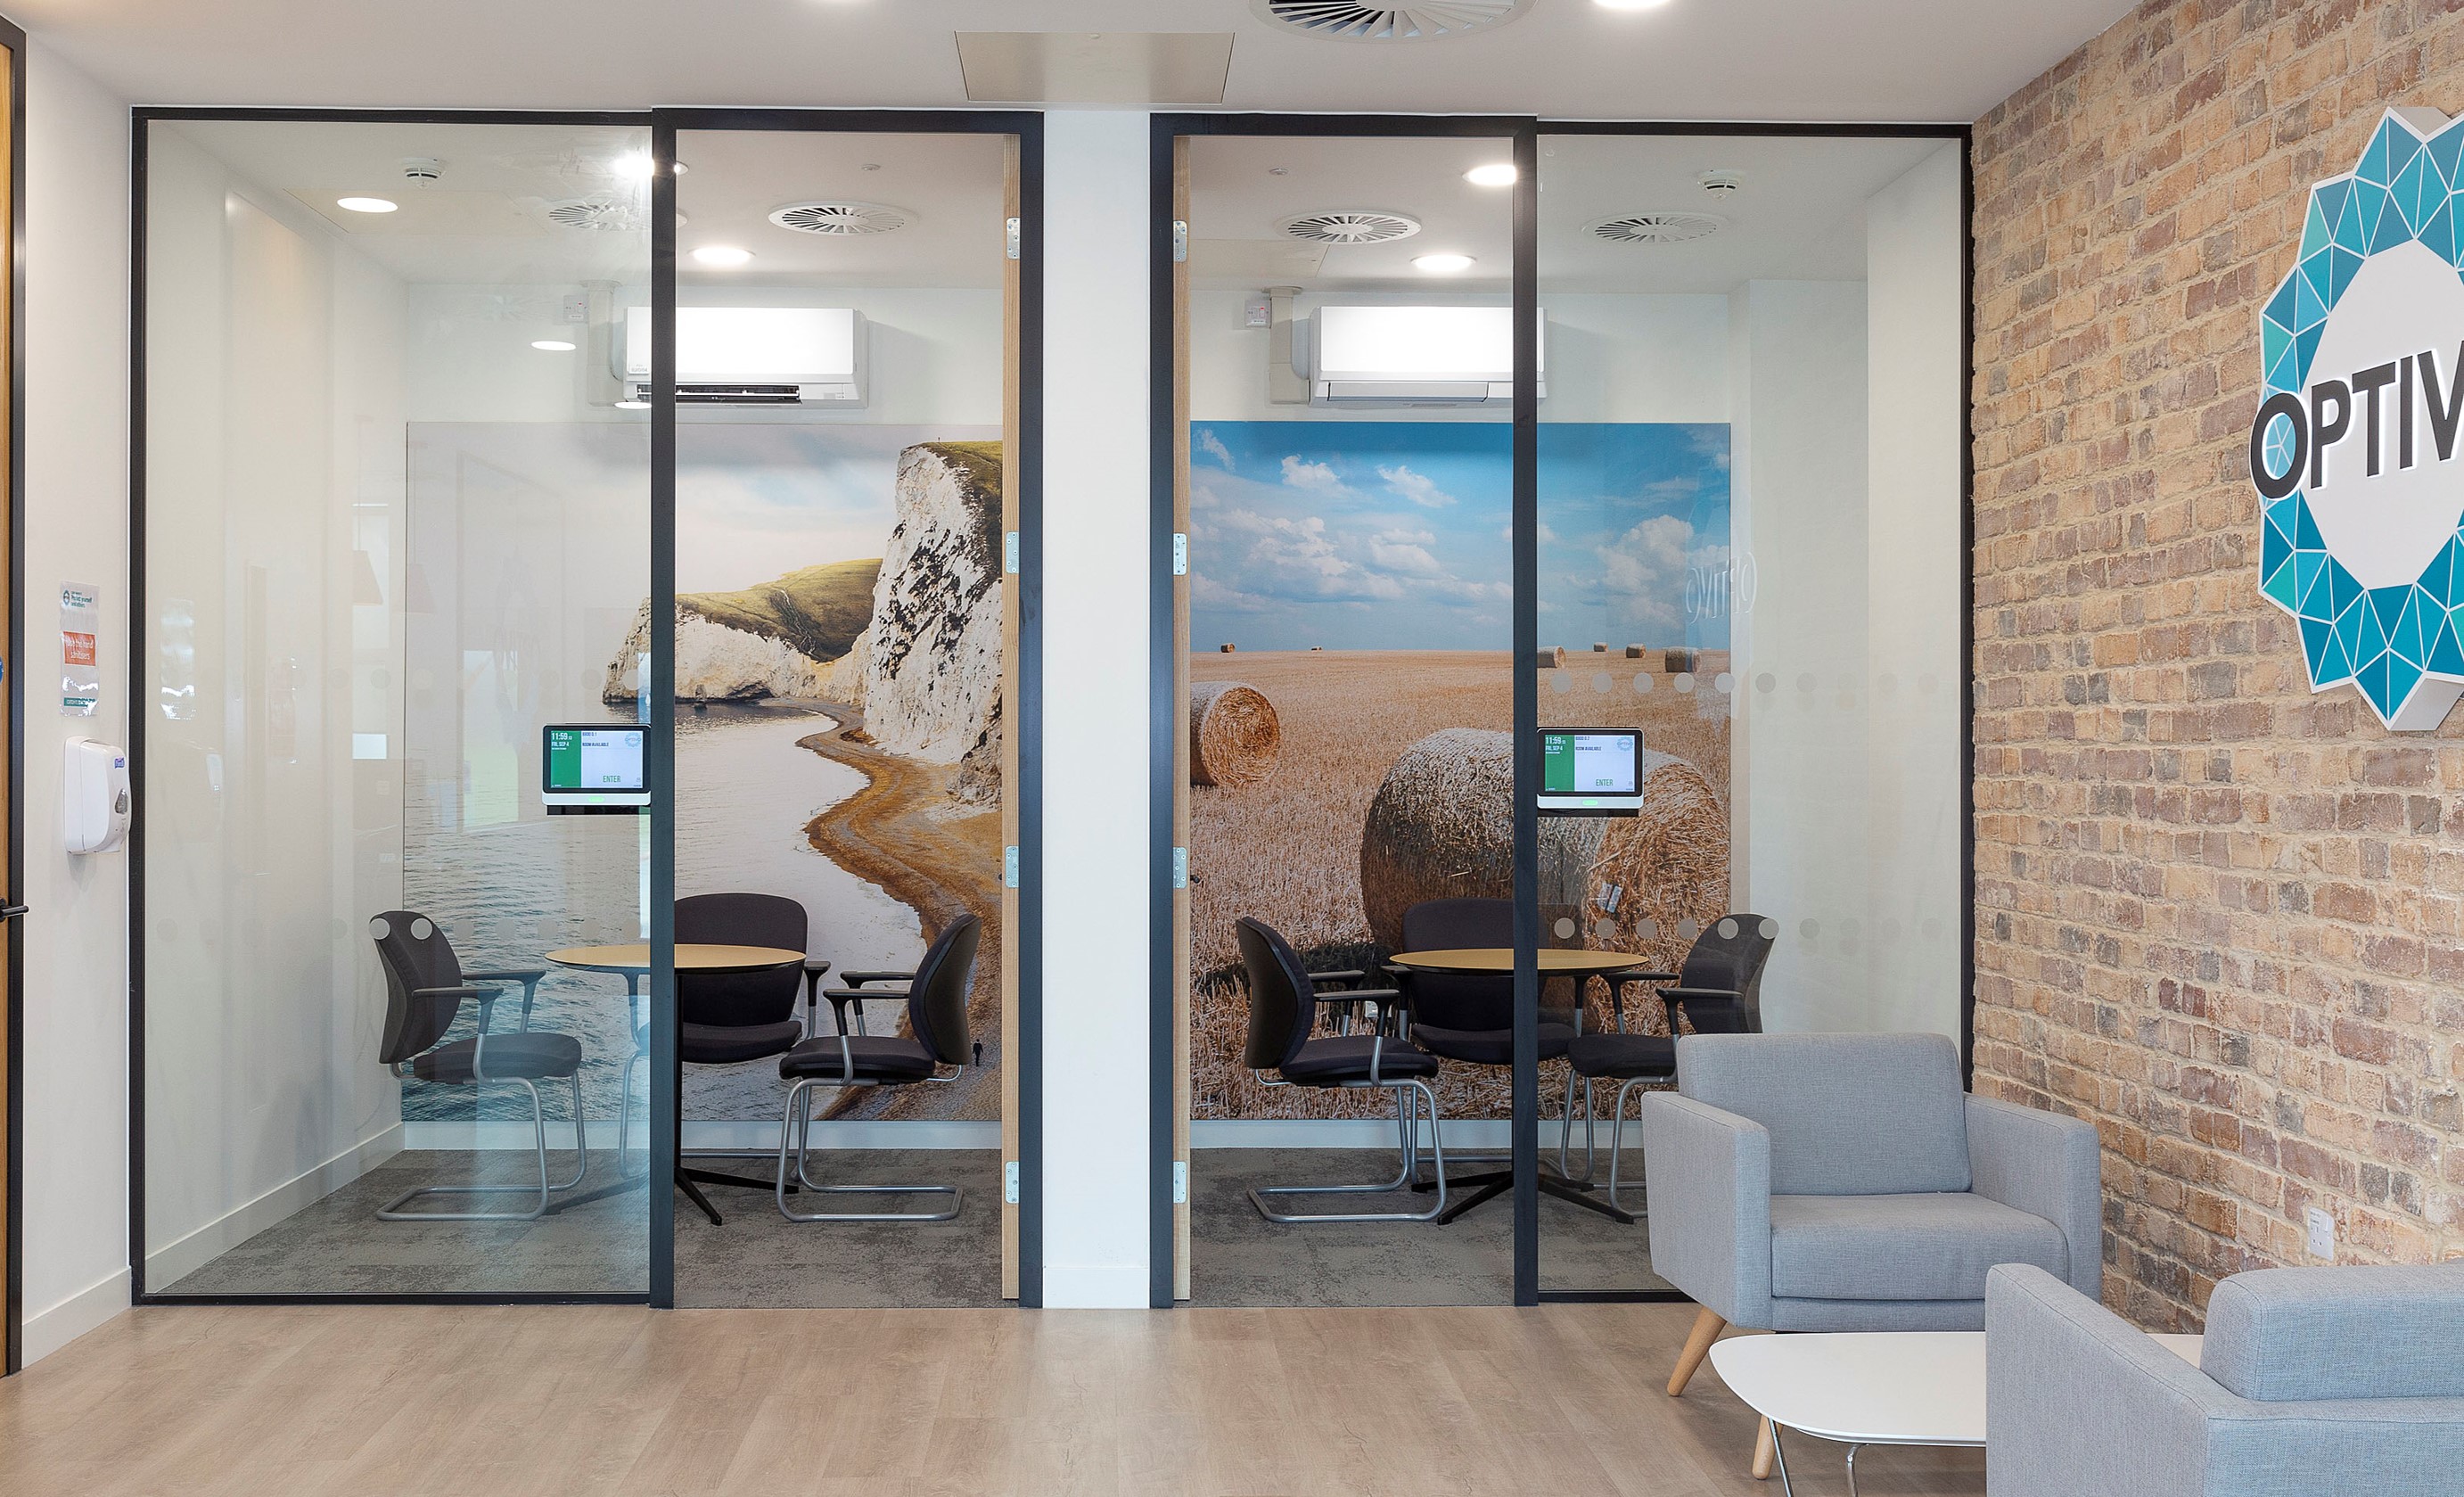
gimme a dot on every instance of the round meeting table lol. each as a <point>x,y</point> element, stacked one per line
<point>1617,967</point>
<point>630,960</point>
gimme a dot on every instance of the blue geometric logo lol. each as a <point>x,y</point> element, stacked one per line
<point>2397,636</point>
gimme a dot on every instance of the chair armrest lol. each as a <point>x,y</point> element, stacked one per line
<point>2079,1404</point>
<point>2284,1335</point>
<point>862,992</point>
<point>509,974</point>
<point>1357,995</point>
<point>1707,1176</point>
<point>1338,975</point>
<point>2046,1165</point>
<point>860,979</point>
<point>464,991</point>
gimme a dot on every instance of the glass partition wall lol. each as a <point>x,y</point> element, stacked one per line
<point>1750,531</point>
<point>395,540</point>
<point>435,414</point>
<point>1520,691</point>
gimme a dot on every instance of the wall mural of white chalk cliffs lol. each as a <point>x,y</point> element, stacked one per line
<point>839,650</point>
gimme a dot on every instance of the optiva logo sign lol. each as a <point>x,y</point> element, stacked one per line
<point>2359,444</point>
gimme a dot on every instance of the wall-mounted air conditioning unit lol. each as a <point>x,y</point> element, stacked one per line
<point>1414,356</point>
<point>754,356</point>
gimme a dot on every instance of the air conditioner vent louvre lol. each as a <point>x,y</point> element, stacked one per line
<point>1408,20</point>
<point>840,219</point>
<point>1658,225</point>
<point>1351,226</point>
<point>605,214</point>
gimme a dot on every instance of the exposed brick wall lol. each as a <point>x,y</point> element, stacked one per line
<point>2219,917</point>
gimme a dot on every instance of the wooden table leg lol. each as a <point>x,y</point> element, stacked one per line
<point>1708,1326</point>
<point>1763,1452</point>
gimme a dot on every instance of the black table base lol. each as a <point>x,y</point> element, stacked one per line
<point>1489,1185</point>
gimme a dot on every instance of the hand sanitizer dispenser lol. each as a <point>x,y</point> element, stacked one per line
<point>97,800</point>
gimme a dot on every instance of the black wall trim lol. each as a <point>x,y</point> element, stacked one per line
<point>12,1295</point>
<point>664,125</point>
<point>1167,715</point>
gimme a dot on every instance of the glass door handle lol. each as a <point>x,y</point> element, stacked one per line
<point>10,911</point>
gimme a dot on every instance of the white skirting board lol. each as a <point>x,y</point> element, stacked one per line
<point>47,1331</point>
<point>1481,1135</point>
<point>166,1264</point>
<point>508,1133</point>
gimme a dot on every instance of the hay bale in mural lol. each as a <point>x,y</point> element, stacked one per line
<point>1233,735</point>
<point>1661,876</point>
<point>1442,827</point>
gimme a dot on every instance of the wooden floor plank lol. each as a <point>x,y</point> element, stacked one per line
<point>558,1402</point>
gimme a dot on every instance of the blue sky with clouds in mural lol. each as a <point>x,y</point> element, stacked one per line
<point>1364,535</point>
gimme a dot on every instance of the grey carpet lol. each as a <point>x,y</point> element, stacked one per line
<point>760,1259</point>
<point>1238,1257</point>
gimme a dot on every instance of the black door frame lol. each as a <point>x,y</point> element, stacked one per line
<point>12,1295</point>
<point>662,124</point>
<point>1168,718</point>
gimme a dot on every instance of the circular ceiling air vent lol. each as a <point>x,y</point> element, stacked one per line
<point>591,213</point>
<point>1410,20</point>
<point>1668,226</point>
<point>840,219</point>
<point>1351,226</point>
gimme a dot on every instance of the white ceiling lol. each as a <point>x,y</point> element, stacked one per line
<point>1799,212</point>
<point>1938,60</point>
<point>484,221</point>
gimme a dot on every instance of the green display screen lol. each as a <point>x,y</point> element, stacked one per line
<point>1589,764</point>
<point>594,758</point>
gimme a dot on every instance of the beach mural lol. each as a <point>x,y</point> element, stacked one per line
<point>839,647</point>
<point>1353,699</point>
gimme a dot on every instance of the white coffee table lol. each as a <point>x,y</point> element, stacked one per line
<point>1870,1388</point>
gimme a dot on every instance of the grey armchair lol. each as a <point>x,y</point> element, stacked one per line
<point>2310,1380</point>
<point>1847,1182</point>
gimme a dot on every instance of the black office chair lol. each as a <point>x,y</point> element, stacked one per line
<point>937,1017</point>
<point>425,986</point>
<point>728,1018</point>
<point>1283,1014</point>
<point>1469,1016</point>
<point>1719,991</point>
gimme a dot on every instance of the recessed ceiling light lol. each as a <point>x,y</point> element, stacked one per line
<point>722,254</point>
<point>637,164</point>
<point>1443,264</point>
<point>1629,5</point>
<point>632,405</point>
<point>366,205</point>
<point>552,346</point>
<point>1496,174</point>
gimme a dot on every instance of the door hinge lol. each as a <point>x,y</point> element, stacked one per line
<point>1180,868</point>
<point>1009,552</point>
<point>1180,554</point>
<point>1179,241</point>
<point>1009,230</point>
<point>1009,1181</point>
<point>1180,1182</point>
<point>1009,867</point>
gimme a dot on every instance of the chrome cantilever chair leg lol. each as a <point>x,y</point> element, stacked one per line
<point>391,1210</point>
<point>625,1111</point>
<point>1403,1181</point>
<point>1617,1143</point>
<point>798,1122</point>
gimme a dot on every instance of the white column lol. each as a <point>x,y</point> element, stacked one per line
<point>1095,498</point>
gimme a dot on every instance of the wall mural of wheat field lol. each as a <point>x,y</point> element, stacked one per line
<point>1352,701</point>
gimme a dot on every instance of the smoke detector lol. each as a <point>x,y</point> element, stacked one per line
<point>840,219</point>
<point>1658,227</point>
<point>1719,181</point>
<point>1351,226</point>
<point>600,213</point>
<point>1411,20</point>
<point>422,171</point>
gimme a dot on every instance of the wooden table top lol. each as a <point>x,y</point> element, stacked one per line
<point>635,957</point>
<point>1554,960</point>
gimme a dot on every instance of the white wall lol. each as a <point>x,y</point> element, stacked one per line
<point>1915,597</point>
<point>275,365</point>
<point>76,938</point>
<point>1095,729</point>
<point>1797,497</point>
